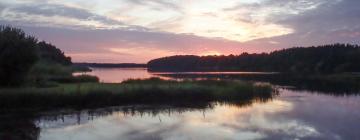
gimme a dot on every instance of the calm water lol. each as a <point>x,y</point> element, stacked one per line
<point>117,75</point>
<point>294,114</point>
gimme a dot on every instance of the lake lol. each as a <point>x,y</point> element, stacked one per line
<point>299,111</point>
<point>117,75</point>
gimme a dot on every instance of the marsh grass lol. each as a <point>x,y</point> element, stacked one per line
<point>148,91</point>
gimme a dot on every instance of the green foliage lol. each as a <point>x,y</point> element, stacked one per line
<point>334,58</point>
<point>42,73</point>
<point>45,74</point>
<point>151,91</point>
<point>50,54</point>
<point>24,60</point>
<point>17,55</point>
<point>49,69</point>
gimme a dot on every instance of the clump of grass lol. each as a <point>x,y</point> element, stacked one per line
<point>149,91</point>
<point>46,74</point>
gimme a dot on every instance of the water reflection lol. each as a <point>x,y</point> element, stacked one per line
<point>117,75</point>
<point>293,115</point>
<point>21,126</point>
<point>18,127</point>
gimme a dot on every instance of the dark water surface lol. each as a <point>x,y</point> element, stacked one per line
<point>297,113</point>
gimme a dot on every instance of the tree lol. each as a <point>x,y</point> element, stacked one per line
<point>50,54</point>
<point>17,55</point>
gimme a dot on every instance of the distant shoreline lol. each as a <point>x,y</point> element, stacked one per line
<point>112,65</point>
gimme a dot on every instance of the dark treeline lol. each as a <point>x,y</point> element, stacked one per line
<point>48,53</point>
<point>111,65</point>
<point>23,57</point>
<point>335,58</point>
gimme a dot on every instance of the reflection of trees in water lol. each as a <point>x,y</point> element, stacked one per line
<point>143,110</point>
<point>27,127</point>
<point>80,117</point>
<point>18,128</point>
<point>337,85</point>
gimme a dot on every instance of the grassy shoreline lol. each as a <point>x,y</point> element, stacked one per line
<point>149,91</point>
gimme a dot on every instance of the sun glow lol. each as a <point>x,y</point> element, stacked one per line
<point>141,30</point>
<point>211,53</point>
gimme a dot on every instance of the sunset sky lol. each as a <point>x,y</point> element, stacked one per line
<point>117,31</point>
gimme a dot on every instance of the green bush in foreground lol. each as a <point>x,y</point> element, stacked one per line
<point>150,91</point>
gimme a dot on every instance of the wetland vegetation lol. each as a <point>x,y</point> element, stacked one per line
<point>148,91</point>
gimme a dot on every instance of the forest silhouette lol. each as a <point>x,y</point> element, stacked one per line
<point>334,58</point>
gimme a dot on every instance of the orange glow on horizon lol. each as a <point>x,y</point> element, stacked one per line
<point>211,53</point>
